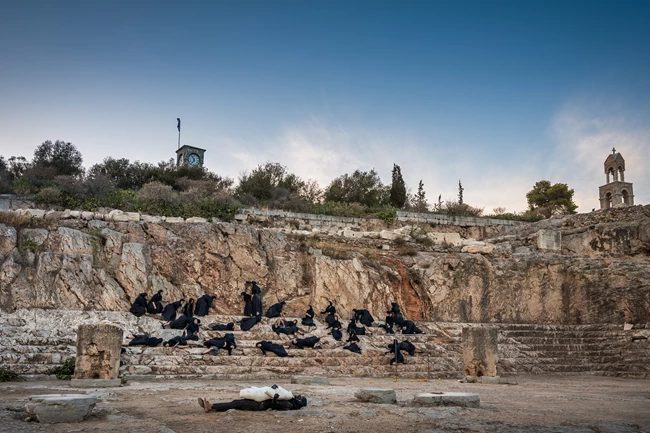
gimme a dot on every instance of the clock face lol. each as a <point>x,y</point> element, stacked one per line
<point>193,159</point>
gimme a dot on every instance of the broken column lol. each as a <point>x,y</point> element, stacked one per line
<point>480,352</point>
<point>98,355</point>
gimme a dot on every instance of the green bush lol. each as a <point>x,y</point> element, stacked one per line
<point>388,215</point>
<point>65,371</point>
<point>7,375</point>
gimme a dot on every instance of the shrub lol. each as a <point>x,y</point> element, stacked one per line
<point>388,215</point>
<point>47,195</point>
<point>65,371</point>
<point>7,375</point>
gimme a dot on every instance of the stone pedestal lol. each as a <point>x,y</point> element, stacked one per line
<point>480,351</point>
<point>98,355</point>
<point>55,408</point>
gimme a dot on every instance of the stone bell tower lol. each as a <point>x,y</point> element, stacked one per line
<point>616,192</point>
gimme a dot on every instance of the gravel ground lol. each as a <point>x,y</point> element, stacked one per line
<point>563,404</point>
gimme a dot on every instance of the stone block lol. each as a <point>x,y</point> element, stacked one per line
<point>174,220</point>
<point>388,235</point>
<point>95,383</point>
<point>452,239</point>
<point>240,217</point>
<point>352,234</point>
<point>60,408</point>
<point>478,249</point>
<point>491,380</point>
<point>310,380</point>
<point>133,216</point>
<point>98,351</point>
<point>36,213</point>
<point>480,351</point>
<point>523,250</point>
<point>376,395</point>
<point>196,220</point>
<point>461,399</point>
<point>87,215</point>
<point>549,240</point>
<point>75,214</point>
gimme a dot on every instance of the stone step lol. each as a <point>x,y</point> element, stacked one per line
<point>566,348</point>
<point>568,368</point>
<point>401,376</point>
<point>562,334</point>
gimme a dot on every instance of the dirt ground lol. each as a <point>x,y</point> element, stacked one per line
<point>563,404</point>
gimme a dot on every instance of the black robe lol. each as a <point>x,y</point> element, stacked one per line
<point>337,334</point>
<point>155,305</point>
<point>407,347</point>
<point>306,342</point>
<point>334,324</point>
<point>308,321</point>
<point>222,327</point>
<point>139,306</point>
<point>353,338</point>
<point>364,317</point>
<point>387,327</point>
<point>192,328</point>
<point>398,318</point>
<point>331,309</point>
<point>353,348</point>
<point>295,403</point>
<point>176,341</point>
<point>188,309</point>
<point>329,319</point>
<point>249,322</point>
<point>169,312</point>
<point>203,305</point>
<point>275,310</point>
<point>395,349</point>
<point>145,340</point>
<point>289,328</point>
<point>267,346</point>
<point>248,304</point>
<point>227,343</point>
<point>409,328</point>
<point>181,322</point>
<point>354,329</point>
<point>257,299</point>
<point>310,312</point>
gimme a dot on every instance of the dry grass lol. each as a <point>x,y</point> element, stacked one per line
<point>12,219</point>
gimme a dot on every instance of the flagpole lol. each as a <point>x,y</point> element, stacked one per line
<point>178,125</point>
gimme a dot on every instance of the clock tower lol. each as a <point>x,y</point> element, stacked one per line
<point>189,156</point>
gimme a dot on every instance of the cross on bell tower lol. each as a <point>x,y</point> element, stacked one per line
<point>615,192</point>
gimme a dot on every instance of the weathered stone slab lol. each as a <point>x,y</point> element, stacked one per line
<point>549,240</point>
<point>310,380</point>
<point>462,399</point>
<point>95,383</point>
<point>376,395</point>
<point>480,351</point>
<point>98,351</point>
<point>58,408</point>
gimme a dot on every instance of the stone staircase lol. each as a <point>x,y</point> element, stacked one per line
<point>33,341</point>
<point>605,350</point>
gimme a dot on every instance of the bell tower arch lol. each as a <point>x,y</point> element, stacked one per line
<point>615,192</point>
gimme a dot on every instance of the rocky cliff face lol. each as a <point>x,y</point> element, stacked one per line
<point>599,274</point>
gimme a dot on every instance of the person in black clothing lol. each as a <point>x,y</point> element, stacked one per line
<point>169,312</point>
<point>275,310</point>
<point>407,347</point>
<point>191,331</point>
<point>257,298</point>
<point>334,322</point>
<point>409,327</point>
<point>288,327</point>
<point>301,343</point>
<point>203,305</point>
<point>308,318</point>
<point>248,304</point>
<point>143,340</point>
<point>353,347</point>
<point>337,334</point>
<point>222,327</point>
<point>364,317</point>
<point>188,309</point>
<point>354,329</point>
<point>267,346</point>
<point>248,322</point>
<point>396,313</point>
<point>331,309</point>
<point>388,326</point>
<point>296,403</point>
<point>394,348</point>
<point>353,338</point>
<point>214,344</point>
<point>139,306</point>
<point>155,304</point>
<point>177,341</point>
<point>180,323</point>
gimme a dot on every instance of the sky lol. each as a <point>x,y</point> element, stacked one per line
<point>496,94</point>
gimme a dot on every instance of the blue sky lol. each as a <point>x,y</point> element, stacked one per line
<point>497,94</point>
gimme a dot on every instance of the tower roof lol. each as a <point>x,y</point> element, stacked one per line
<point>615,160</point>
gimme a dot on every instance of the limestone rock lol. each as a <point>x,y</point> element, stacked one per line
<point>60,408</point>
<point>462,399</point>
<point>376,395</point>
<point>478,249</point>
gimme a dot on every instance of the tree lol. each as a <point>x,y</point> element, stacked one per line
<point>267,181</point>
<point>63,157</point>
<point>363,187</point>
<point>420,202</point>
<point>460,192</point>
<point>545,198</point>
<point>397,188</point>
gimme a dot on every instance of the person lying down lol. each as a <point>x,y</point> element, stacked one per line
<point>257,399</point>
